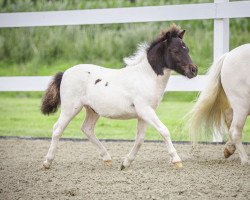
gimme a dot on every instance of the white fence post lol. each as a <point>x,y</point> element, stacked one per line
<point>221,46</point>
<point>221,33</point>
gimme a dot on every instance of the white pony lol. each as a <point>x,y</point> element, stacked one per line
<point>131,92</point>
<point>225,102</point>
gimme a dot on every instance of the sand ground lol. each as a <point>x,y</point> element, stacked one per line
<point>78,173</point>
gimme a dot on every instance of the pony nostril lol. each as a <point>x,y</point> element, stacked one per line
<point>194,70</point>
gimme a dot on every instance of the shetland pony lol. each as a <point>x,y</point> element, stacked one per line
<point>131,92</point>
<point>225,102</point>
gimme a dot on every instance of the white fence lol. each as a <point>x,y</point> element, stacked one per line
<point>221,11</point>
<point>40,83</point>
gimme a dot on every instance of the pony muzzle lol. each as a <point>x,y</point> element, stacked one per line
<point>192,71</point>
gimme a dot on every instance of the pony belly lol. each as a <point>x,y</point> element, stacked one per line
<point>115,111</point>
<point>122,117</point>
<point>112,106</point>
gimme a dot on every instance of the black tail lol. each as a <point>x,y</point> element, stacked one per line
<point>51,99</point>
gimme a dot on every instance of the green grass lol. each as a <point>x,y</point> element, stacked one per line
<point>22,117</point>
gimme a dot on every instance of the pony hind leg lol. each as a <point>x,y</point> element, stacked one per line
<point>238,122</point>
<point>229,147</point>
<point>88,128</point>
<point>141,129</point>
<point>65,117</point>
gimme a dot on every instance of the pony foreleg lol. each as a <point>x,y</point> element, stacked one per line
<point>141,129</point>
<point>149,115</point>
<point>88,129</point>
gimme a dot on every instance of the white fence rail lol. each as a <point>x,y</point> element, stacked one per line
<point>218,10</point>
<point>40,83</point>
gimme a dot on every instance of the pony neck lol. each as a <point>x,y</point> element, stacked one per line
<point>140,61</point>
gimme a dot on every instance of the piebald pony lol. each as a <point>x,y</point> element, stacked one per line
<point>131,92</point>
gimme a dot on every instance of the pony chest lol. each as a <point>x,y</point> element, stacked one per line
<point>157,99</point>
<point>153,94</point>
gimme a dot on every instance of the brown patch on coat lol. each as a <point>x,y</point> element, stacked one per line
<point>97,81</point>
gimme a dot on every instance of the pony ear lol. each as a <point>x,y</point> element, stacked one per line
<point>181,34</point>
<point>167,36</point>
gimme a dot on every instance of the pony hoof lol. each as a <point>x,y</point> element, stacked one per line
<point>46,165</point>
<point>227,153</point>
<point>108,162</point>
<point>122,167</point>
<point>178,165</point>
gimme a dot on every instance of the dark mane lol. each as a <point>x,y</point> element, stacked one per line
<point>173,31</point>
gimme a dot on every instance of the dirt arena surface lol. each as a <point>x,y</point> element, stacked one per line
<point>78,173</point>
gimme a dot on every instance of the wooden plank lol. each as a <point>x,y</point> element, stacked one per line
<point>127,15</point>
<point>107,16</point>
<point>183,84</point>
<point>40,83</point>
<point>234,9</point>
<point>24,83</point>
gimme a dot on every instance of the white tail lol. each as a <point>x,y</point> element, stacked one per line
<point>208,113</point>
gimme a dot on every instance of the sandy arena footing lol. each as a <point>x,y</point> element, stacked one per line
<point>78,173</point>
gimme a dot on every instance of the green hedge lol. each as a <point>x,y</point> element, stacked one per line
<point>46,50</point>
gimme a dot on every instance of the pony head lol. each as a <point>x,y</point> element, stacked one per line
<point>169,51</point>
